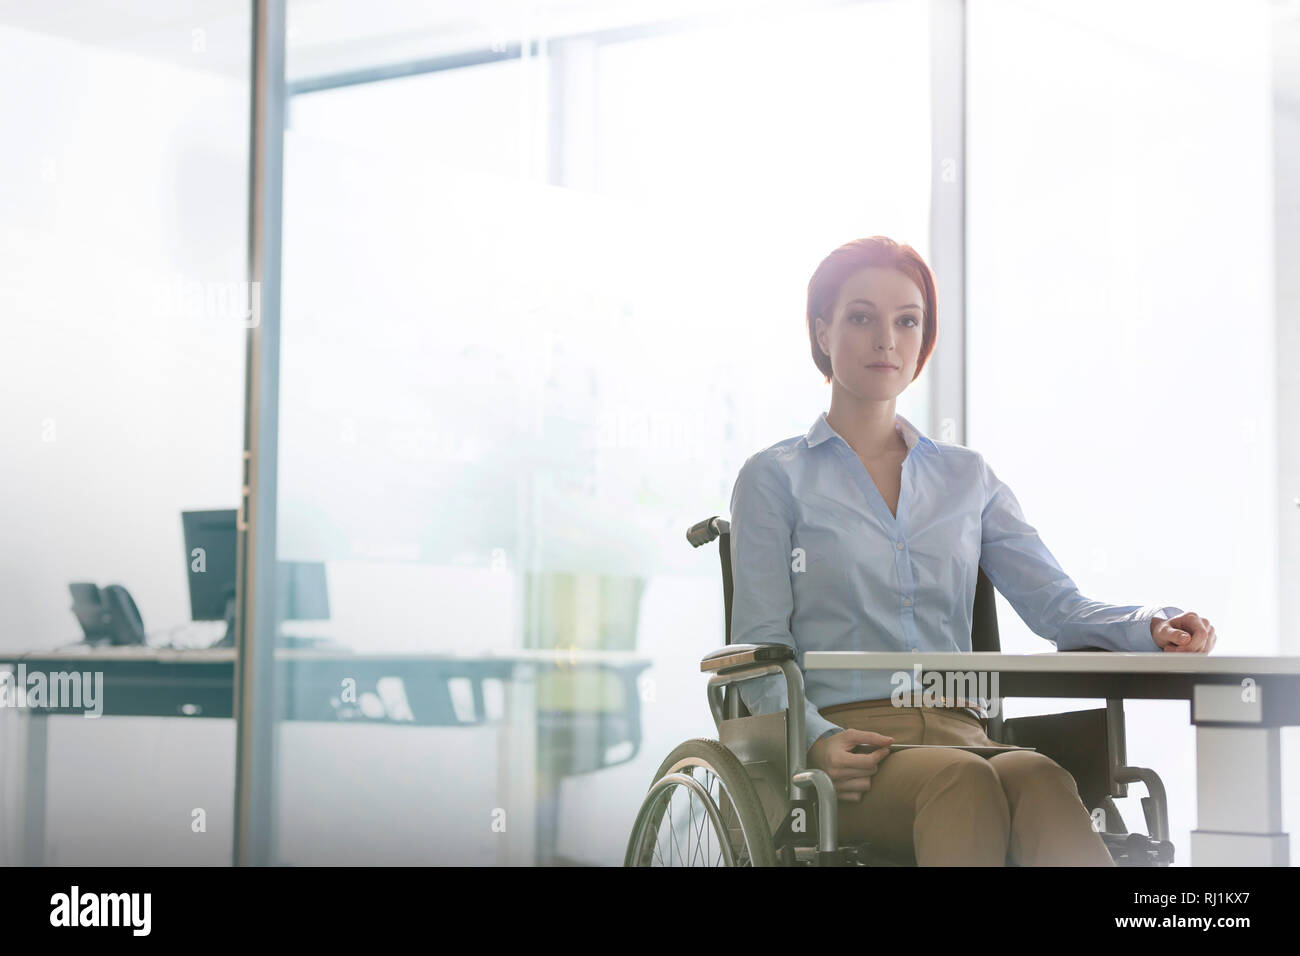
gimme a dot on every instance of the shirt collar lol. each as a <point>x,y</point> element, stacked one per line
<point>821,430</point>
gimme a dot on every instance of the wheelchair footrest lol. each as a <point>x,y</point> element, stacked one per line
<point>1138,849</point>
<point>864,854</point>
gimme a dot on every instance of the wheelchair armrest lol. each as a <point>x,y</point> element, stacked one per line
<point>1155,807</point>
<point>736,663</point>
<point>738,655</point>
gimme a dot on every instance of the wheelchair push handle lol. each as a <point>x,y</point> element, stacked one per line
<point>702,532</point>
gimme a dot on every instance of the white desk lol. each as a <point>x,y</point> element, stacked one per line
<point>1238,705</point>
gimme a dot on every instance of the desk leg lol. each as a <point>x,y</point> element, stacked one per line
<point>29,766</point>
<point>1238,783</point>
<point>517,770</point>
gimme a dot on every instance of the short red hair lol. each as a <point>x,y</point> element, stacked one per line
<point>834,271</point>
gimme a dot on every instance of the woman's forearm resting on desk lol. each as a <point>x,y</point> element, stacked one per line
<point>1026,573</point>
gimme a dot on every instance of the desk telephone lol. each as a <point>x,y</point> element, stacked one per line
<point>108,616</point>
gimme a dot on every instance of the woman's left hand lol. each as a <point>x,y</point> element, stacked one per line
<point>1188,633</point>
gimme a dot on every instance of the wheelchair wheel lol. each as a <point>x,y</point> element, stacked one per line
<point>701,810</point>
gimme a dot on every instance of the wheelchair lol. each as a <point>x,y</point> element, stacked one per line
<point>749,799</point>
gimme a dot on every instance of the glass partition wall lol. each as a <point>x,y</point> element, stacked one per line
<point>125,308</point>
<point>544,281</point>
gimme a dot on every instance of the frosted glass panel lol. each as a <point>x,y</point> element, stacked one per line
<point>536,314</point>
<point>1122,320</point>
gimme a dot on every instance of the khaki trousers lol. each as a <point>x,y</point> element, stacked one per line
<point>956,808</point>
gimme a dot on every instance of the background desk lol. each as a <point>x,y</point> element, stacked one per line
<point>541,741</point>
<point>1238,705</point>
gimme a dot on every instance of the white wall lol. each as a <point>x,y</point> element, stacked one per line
<point>1286,224</point>
<point>1286,180</point>
<point>1121,295</point>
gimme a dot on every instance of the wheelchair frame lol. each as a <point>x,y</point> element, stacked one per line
<point>772,750</point>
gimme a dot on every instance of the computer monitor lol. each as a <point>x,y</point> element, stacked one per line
<point>301,588</point>
<point>211,572</point>
<point>303,596</point>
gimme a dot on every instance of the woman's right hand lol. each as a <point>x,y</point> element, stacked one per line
<point>850,772</point>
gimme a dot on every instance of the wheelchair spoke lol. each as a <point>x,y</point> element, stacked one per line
<point>706,846</point>
<point>694,832</point>
<point>672,830</point>
<point>688,830</point>
<point>727,812</point>
<point>699,834</point>
<point>709,778</point>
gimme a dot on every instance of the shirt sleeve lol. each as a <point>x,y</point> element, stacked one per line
<point>1047,600</point>
<point>762,600</point>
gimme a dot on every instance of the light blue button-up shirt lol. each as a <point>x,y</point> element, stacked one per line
<point>819,563</point>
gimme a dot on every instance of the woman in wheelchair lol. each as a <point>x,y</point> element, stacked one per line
<point>864,534</point>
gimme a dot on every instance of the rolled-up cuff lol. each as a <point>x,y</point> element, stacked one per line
<point>1140,636</point>
<point>816,727</point>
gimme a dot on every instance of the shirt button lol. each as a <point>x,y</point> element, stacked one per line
<point>899,545</point>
